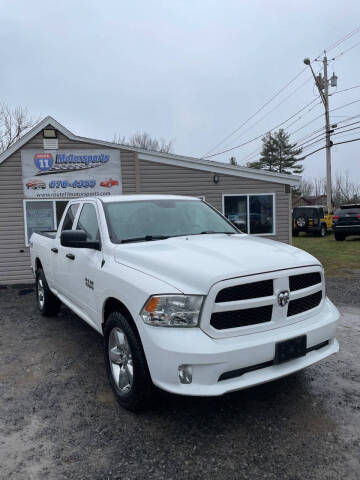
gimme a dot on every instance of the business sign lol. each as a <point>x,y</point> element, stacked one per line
<point>70,173</point>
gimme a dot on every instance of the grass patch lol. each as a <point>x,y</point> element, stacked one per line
<point>340,259</point>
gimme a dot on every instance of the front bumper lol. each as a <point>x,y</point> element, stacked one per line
<point>168,348</point>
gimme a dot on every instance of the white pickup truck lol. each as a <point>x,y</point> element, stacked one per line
<point>184,300</point>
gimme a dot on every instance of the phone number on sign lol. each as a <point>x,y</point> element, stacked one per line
<point>73,184</point>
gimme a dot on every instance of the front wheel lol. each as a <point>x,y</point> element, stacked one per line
<point>49,305</point>
<point>126,364</point>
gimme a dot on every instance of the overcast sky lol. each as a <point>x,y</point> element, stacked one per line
<point>190,71</point>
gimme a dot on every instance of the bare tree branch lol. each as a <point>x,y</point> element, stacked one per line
<point>14,123</point>
<point>145,141</point>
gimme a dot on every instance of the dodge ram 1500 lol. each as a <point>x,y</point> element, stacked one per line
<point>183,299</point>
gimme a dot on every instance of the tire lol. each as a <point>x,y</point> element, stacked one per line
<point>339,237</point>
<point>301,222</point>
<point>126,364</point>
<point>295,233</point>
<point>323,231</point>
<point>48,304</point>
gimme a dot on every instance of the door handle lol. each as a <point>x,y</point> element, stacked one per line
<point>55,250</point>
<point>70,255</point>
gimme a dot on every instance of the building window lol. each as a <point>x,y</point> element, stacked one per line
<point>39,217</point>
<point>251,213</point>
<point>42,216</point>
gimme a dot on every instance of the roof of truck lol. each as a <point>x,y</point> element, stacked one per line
<point>127,198</point>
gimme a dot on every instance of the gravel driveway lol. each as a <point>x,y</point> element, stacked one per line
<point>59,419</point>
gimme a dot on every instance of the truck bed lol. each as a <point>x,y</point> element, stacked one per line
<point>50,234</point>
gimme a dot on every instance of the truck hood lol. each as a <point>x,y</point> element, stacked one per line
<point>193,264</point>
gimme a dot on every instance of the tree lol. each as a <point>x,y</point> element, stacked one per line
<point>305,188</point>
<point>14,123</point>
<point>278,154</point>
<point>233,161</point>
<point>145,141</point>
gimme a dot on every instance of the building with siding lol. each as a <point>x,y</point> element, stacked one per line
<point>50,165</point>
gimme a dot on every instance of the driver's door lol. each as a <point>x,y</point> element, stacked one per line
<point>88,262</point>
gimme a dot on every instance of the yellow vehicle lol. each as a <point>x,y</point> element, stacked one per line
<point>313,219</point>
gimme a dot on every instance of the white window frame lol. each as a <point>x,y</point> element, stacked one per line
<point>25,201</point>
<point>248,209</point>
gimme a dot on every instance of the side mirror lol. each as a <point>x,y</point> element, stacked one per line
<point>77,239</point>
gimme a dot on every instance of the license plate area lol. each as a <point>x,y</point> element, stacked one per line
<point>290,349</point>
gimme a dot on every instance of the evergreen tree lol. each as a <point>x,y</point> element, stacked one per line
<point>278,154</point>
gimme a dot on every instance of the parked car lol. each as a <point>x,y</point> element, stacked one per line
<point>313,219</point>
<point>35,184</point>
<point>346,221</point>
<point>109,183</point>
<point>184,300</point>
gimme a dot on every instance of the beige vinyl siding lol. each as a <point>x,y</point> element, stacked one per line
<point>168,179</point>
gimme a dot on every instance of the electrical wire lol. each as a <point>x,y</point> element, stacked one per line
<point>254,114</point>
<point>341,40</point>
<point>347,50</point>
<point>345,89</point>
<point>273,109</point>
<point>267,131</point>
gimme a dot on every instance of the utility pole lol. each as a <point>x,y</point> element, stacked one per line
<point>328,141</point>
<point>323,87</point>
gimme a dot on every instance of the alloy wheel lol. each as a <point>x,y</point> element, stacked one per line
<point>40,293</point>
<point>120,360</point>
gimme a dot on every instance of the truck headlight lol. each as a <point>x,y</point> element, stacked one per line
<point>172,310</point>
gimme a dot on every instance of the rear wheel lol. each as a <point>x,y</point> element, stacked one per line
<point>126,364</point>
<point>340,237</point>
<point>49,305</point>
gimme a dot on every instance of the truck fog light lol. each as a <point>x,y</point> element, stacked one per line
<point>185,373</point>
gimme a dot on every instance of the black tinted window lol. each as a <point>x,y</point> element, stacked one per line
<point>69,217</point>
<point>347,210</point>
<point>306,212</point>
<point>89,223</point>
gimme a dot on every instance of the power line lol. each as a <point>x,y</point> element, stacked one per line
<point>347,50</point>
<point>262,134</point>
<point>346,89</point>
<point>341,40</point>
<point>257,111</point>
<point>321,148</point>
<point>347,141</point>
<point>273,109</point>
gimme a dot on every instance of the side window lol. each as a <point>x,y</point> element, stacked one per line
<point>69,217</point>
<point>89,223</point>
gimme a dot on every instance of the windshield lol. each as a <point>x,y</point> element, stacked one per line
<point>159,219</point>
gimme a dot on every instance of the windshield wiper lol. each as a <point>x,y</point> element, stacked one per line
<point>147,238</point>
<point>212,231</point>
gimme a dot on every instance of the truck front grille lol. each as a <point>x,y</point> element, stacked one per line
<point>305,280</point>
<point>304,304</point>
<point>241,318</point>
<point>246,291</point>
